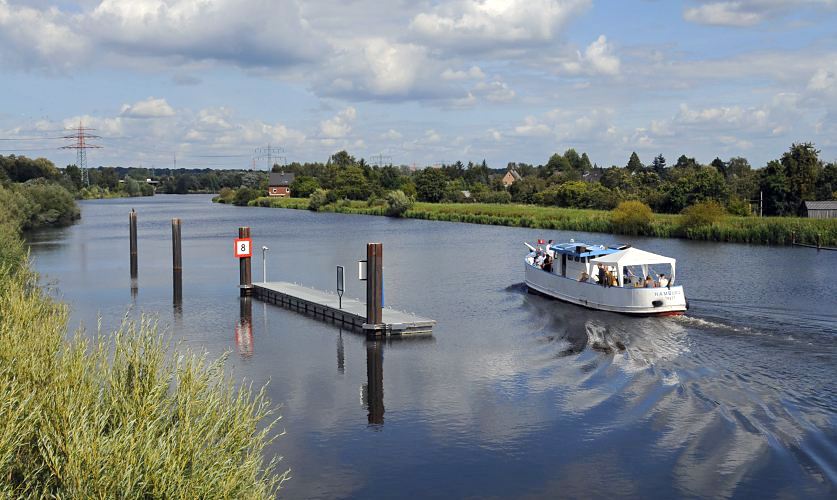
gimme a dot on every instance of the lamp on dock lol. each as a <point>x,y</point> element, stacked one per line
<point>264,263</point>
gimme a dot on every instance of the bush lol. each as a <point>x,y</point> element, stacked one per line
<point>304,186</point>
<point>494,197</point>
<point>398,203</point>
<point>740,207</point>
<point>47,204</point>
<point>244,195</point>
<point>705,213</point>
<point>318,199</point>
<point>631,217</point>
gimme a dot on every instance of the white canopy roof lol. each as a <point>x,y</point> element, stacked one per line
<point>632,257</point>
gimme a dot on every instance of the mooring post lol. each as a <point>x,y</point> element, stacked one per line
<point>374,282</point>
<point>177,261</point>
<point>245,273</point>
<point>793,238</point>
<point>132,234</point>
<point>818,242</point>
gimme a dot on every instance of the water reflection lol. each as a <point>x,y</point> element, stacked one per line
<point>373,392</point>
<point>341,354</point>
<point>244,328</point>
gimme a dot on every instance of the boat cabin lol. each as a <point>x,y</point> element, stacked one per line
<point>626,266</point>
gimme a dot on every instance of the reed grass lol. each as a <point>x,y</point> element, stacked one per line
<point>754,230</point>
<point>122,415</point>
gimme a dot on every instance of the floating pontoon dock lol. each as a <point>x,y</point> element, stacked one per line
<point>325,306</point>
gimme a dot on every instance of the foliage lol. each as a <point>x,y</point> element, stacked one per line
<point>430,184</point>
<point>244,195</point>
<point>704,213</point>
<point>737,206</point>
<point>318,199</point>
<point>398,203</point>
<point>22,169</point>
<point>351,184</point>
<point>632,217</point>
<point>40,203</point>
<point>303,186</point>
<point>493,197</point>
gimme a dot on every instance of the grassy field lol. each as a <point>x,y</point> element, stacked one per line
<point>122,416</point>
<point>756,230</point>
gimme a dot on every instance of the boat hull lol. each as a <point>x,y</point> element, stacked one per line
<point>667,301</point>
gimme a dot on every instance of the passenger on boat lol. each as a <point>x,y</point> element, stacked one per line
<point>663,281</point>
<point>649,283</point>
<point>583,276</point>
<point>547,264</point>
<point>603,280</point>
<point>549,251</point>
<point>539,259</point>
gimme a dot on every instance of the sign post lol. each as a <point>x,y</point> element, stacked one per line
<point>244,251</point>
<point>340,286</point>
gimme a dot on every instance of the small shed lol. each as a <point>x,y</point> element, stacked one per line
<point>279,184</point>
<point>821,209</point>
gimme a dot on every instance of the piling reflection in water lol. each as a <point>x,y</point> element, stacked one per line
<point>134,291</point>
<point>373,391</point>
<point>341,355</point>
<point>244,328</point>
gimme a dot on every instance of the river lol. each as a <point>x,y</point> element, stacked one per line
<point>514,395</point>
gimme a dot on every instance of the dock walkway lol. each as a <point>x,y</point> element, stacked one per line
<point>325,306</point>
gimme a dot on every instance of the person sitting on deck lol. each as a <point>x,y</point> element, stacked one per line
<point>583,276</point>
<point>663,281</point>
<point>547,264</point>
<point>649,283</point>
<point>539,259</point>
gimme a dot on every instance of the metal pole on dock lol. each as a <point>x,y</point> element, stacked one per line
<point>374,282</point>
<point>245,273</point>
<point>177,261</point>
<point>264,263</point>
<point>132,234</point>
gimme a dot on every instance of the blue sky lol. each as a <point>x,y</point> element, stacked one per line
<point>422,82</point>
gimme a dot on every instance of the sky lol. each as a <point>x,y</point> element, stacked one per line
<point>206,82</point>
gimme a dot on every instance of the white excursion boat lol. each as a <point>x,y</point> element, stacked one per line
<point>616,278</point>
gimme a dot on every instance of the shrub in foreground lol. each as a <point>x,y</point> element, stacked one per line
<point>705,213</point>
<point>318,198</point>
<point>631,217</point>
<point>398,203</point>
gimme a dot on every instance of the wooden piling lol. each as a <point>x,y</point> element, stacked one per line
<point>374,283</point>
<point>132,235</point>
<point>375,382</point>
<point>177,261</point>
<point>245,273</point>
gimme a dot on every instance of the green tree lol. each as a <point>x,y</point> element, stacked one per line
<point>108,178</point>
<point>634,164</point>
<point>720,165</point>
<point>303,186</point>
<point>390,177</point>
<point>398,203</point>
<point>342,159</point>
<point>774,188</point>
<point>74,174</point>
<point>827,182</point>
<point>352,184</point>
<point>132,187</point>
<point>802,168</point>
<point>430,184</point>
<point>659,165</point>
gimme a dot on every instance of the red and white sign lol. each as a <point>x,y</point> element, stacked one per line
<point>243,247</point>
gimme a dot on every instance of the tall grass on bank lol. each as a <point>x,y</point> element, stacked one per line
<point>121,416</point>
<point>756,230</point>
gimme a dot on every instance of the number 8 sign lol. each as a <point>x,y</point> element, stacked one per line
<point>243,247</point>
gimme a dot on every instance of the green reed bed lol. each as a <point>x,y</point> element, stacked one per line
<point>121,416</point>
<point>756,230</point>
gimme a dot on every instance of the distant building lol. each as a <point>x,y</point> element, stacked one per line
<point>511,177</point>
<point>279,184</point>
<point>152,182</point>
<point>821,209</point>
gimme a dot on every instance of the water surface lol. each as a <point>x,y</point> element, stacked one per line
<point>514,395</point>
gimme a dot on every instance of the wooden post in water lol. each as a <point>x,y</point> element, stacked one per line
<point>245,273</point>
<point>374,284</point>
<point>177,261</point>
<point>818,242</point>
<point>132,235</point>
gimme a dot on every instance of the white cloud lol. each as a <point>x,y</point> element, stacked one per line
<point>494,91</point>
<point>822,80</point>
<point>340,126</point>
<point>742,13</point>
<point>38,38</point>
<point>598,59</point>
<point>391,135</point>
<point>474,72</point>
<point>149,108</point>
<point>487,24</point>
<point>245,32</point>
<point>723,14</point>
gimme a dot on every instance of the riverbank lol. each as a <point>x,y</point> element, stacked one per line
<point>118,416</point>
<point>754,230</point>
